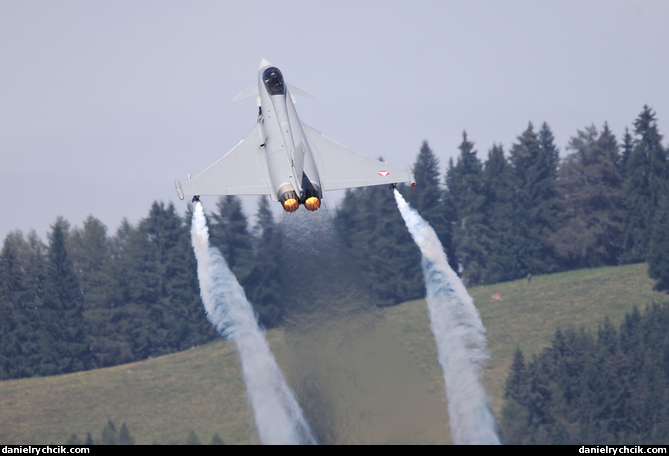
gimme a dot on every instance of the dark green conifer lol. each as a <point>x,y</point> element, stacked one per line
<point>63,348</point>
<point>74,440</point>
<point>124,436</point>
<point>90,251</point>
<point>501,262</point>
<point>112,320</point>
<point>20,332</point>
<point>379,243</point>
<point>217,440</point>
<point>535,202</point>
<point>109,434</point>
<point>589,233</point>
<point>515,418</point>
<point>229,232</point>
<point>549,152</point>
<point>263,284</point>
<point>167,313</point>
<point>645,184</point>
<point>193,439</point>
<point>658,252</point>
<point>429,199</point>
<point>466,191</point>
<point>626,146</point>
<point>517,382</point>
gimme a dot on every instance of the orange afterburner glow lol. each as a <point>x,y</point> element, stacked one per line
<point>312,203</point>
<point>290,205</point>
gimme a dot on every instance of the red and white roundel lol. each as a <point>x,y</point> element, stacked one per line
<point>384,173</point>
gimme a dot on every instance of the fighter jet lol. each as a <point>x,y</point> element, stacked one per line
<point>286,159</point>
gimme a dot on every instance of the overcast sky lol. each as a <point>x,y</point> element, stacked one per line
<point>103,104</point>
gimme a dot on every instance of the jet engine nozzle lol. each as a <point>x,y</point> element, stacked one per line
<point>290,205</point>
<point>289,200</point>
<point>312,203</point>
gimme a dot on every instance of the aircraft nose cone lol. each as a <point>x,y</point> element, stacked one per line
<point>264,63</point>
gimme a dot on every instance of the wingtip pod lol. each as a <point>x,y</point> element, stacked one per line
<point>180,190</point>
<point>412,178</point>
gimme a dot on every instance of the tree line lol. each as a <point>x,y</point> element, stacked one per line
<point>86,299</point>
<point>526,212</point>
<point>111,436</point>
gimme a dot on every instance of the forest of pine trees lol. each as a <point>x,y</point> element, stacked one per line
<point>525,212</point>
<point>85,298</point>
<point>587,388</point>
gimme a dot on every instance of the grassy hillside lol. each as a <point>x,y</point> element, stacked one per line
<point>381,380</point>
<point>527,314</point>
<point>160,400</point>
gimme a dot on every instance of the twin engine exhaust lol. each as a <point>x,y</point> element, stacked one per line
<point>290,201</point>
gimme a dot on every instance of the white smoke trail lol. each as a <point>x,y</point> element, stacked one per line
<point>278,416</point>
<point>459,335</point>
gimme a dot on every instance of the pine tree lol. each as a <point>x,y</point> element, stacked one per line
<point>185,317</point>
<point>124,436</point>
<point>658,251</point>
<point>63,346</point>
<point>429,199</point>
<point>167,311</point>
<point>19,307</point>
<point>515,416</point>
<point>627,147</point>
<point>229,232</point>
<point>540,400</point>
<point>119,266</point>
<point>109,434</point>
<point>589,233</point>
<point>645,184</point>
<point>263,283</point>
<point>74,440</point>
<point>534,201</point>
<point>217,440</point>
<point>112,321</point>
<point>193,439</point>
<point>90,251</point>
<point>501,261</point>
<point>550,154</point>
<point>374,231</point>
<point>517,383</point>
<point>466,191</point>
<point>427,195</point>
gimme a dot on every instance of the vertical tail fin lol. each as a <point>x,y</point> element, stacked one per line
<point>298,162</point>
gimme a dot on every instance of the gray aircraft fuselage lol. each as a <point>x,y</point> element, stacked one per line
<point>291,164</point>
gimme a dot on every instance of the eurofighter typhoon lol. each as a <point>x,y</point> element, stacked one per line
<point>287,159</point>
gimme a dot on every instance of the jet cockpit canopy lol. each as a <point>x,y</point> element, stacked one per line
<point>273,80</point>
